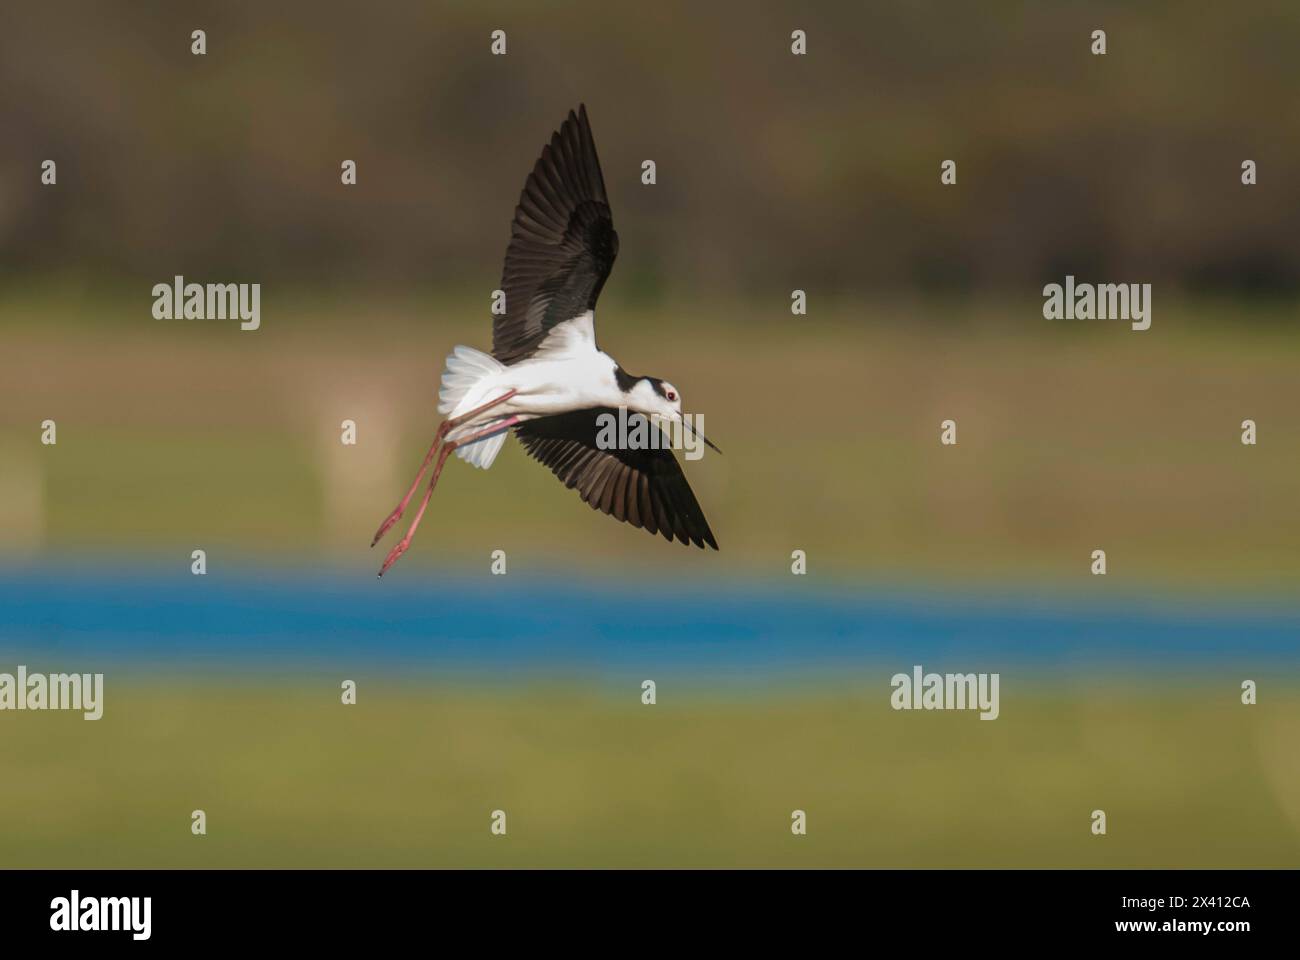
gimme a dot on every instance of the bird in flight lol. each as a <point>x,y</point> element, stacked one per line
<point>547,380</point>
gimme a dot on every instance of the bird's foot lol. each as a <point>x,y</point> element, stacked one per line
<point>393,554</point>
<point>388,524</point>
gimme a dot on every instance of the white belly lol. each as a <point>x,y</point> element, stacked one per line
<point>544,387</point>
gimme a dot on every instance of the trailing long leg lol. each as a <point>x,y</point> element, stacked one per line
<point>443,427</point>
<point>443,454</point>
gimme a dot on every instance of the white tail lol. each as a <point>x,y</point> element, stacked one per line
<point>465,385</point>
<point>465,368</point>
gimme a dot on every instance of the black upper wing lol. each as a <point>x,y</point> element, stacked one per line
<point>562,243</point>
<point>645,488</point>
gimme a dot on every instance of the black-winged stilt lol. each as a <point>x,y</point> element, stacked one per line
<point>546,378</point>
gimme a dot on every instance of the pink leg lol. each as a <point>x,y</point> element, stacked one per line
<point>437,439</point>
<point>447,448</point>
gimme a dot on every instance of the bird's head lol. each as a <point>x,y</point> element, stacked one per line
<point>655,398</point>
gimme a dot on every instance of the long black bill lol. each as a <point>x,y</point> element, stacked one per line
<point>695,433</point>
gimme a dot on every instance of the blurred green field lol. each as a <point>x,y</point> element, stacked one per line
<point>177,435</point>
<point>409,777</point>
<point>1070,437</point>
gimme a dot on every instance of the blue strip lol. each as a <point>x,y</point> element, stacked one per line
<point>274,617</point>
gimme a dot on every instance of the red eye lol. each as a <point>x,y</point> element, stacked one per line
<point>672,397</point>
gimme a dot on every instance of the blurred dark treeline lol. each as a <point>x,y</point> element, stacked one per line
<point>774,171</point>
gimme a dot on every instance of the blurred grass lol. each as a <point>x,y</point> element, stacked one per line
<point>409,776</point>
<point>181,434</point>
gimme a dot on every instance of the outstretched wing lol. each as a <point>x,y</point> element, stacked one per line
<point>562,243</point>
<point>645,488</point>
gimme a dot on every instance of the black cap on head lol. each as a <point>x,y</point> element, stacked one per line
<point>627,381</point>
